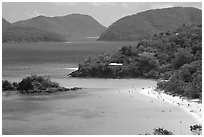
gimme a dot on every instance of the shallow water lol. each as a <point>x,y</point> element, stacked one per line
<point>104,106</point>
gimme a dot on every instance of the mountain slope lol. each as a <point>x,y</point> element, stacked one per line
<point>29,34</point>
<point>173,56</point>
<point>74,25</point>
<point>5,24</point>
<point>143,25</point>
<point>13,33</point>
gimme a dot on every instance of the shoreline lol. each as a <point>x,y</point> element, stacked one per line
<point>118,109</point>
<point>190,107</point>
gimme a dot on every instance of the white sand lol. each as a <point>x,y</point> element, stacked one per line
<point>190,106</point>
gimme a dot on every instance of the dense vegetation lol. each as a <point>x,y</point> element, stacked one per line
<point>173,56</point>
<point>160,131</point>
<point>6,85</point>
<point>35,84</point>
<point>144,24</point>
<point>13,33</point>
<point>194,129</point>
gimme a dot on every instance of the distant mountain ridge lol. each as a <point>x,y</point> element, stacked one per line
<point>144,24</point>
<point>70,25</point>
<point>42,28</point>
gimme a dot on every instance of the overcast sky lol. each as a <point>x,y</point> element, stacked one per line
<point>104,13</point>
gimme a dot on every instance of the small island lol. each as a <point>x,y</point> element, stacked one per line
<point>35,84</point>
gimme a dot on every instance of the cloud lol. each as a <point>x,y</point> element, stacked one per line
<point>125,5</point>
<point>114,18</point>
<point>33,14</point>
<point>64,3</point>
<point>95,3</point>
<point>11,18</point>
<point>162,5</point>
<point>102,3</point>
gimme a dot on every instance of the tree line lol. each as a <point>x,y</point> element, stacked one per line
<point>175,57</point>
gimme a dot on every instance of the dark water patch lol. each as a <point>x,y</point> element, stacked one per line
<point>39,53</point>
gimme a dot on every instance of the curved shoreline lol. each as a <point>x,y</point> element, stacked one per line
<point>192,108</point>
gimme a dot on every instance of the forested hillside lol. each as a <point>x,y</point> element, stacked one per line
<point>42,28</point>
<point>73,25</point>
<point>13,33</point>
<point>5,24</point>
<point>174,56</point>
<point>144,24</point>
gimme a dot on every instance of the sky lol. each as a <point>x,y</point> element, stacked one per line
<point>104,12</point>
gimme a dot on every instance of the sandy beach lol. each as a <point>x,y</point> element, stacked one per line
<point>192,107</point>
<point>118,109</point>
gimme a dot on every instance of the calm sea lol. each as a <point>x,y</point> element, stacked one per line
<point>103,106</point>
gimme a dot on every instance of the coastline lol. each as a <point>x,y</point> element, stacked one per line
<point>118,109</point>
<point>191,107</point>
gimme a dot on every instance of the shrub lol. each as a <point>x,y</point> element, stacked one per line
<point>161,85</point>
<point>36,83</point>
<point>162,131</point>
<point>182,57</point>
<point>196,129</point>
<point>6,85</point>
<point>147,63</point>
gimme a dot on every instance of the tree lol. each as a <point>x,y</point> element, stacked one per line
<point>6,85</point>
<point>182,57</point>
<point>196,129</point>
<point>146,63</point>
<point>162,131</point>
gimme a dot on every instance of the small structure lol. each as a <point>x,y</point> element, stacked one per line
<point>115,64</point>
<point>196,100</point>
<point>72,68</point>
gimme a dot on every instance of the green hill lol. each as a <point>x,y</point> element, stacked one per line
<point>74,25</point>
<point>12,33</point>
<point>143,25</point>
<point>173,56</point>
<point>5,24</point>
<point>43,28</point>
